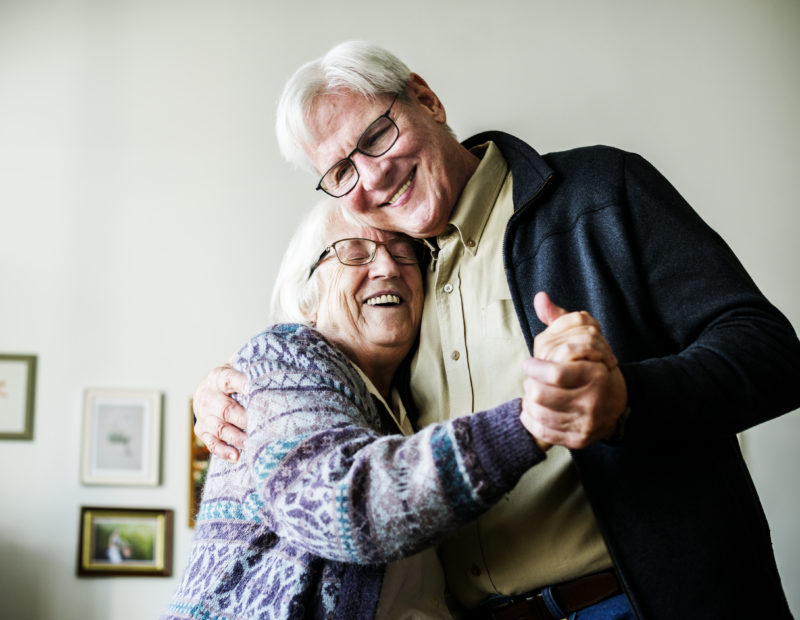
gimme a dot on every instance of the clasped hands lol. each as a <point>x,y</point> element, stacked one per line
<point>574,391</point>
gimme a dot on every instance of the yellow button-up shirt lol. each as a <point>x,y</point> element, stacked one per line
<point>469,359</point>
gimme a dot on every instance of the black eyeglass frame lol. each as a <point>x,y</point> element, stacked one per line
<point>416,244</point>
<point>349,158</point>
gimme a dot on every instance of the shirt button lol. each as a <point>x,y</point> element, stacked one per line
<point>476,572</point>
<point>470,243</point>
<point>455,355</point>
<point>448,288</point>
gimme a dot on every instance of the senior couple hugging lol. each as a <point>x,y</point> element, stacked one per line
<point>424,433</point>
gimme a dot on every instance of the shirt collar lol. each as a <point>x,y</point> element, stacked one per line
<point>397,410</point>
<point>472,210</point>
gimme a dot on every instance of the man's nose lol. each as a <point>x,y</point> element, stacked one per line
<point>372,171</point>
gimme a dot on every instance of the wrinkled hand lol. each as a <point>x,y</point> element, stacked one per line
<point>220,419</point>
<point>574,392</point>
<point>570,336</point>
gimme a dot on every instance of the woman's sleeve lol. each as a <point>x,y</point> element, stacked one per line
<point>330,482</point>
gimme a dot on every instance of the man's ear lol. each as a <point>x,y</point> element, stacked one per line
<point>421,93</point>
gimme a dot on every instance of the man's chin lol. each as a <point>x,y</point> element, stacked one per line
<point>417,221</point>
<point>420,227</point>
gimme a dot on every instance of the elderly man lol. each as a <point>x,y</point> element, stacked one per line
<point>650,493</point>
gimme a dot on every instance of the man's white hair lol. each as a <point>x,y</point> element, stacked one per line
<point>352,66</point>
<point>295,296</point>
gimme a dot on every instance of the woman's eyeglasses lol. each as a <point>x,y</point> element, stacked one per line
<point>403,250</point>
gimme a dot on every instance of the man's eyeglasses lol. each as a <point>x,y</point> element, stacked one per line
<point>377,139</point>
<point>403,250</point>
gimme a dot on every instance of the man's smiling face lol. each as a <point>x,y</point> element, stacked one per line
<point>414,186</point>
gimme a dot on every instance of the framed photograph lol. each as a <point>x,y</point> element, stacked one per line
<point>121,437</point>
<point>17,390</point>
<point>125,541</point>
<point>198,466</point>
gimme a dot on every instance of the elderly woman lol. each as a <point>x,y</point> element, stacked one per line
<point>333,489</point>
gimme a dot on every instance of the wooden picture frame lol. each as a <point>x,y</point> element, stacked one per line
<point>17,394</point>
<point>199,457</point>
<point>121,437</point>
<point>132,542</point>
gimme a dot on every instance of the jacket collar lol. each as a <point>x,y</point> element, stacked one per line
<point>528,169</point>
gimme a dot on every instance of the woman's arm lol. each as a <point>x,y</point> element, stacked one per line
<point>335,486</point>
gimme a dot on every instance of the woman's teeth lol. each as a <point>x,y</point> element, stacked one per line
<point>381,300</point>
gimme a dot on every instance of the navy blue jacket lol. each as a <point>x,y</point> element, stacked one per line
<point>704,356</point>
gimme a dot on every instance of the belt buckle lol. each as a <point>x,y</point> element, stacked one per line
<point>540,608</point>
<point>531,607</point>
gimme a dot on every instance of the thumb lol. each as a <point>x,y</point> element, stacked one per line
<point>545,309</point>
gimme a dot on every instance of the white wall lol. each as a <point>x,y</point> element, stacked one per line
<point>144,206</point>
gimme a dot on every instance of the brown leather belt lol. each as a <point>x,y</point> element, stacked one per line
<point>570,596</point>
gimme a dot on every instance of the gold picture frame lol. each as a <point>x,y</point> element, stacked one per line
<point>132,542</point>
<point>199,457</point>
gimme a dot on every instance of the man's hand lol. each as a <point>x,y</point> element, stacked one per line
<point>574,391</point>
<point>220,420</point>
<point>570,336</point>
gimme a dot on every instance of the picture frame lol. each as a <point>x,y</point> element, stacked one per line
<point>199,458</point>
<point>132,542</point>
<point>121,437</point>
<point>17,394</point>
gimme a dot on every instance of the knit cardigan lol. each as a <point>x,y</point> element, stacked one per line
<point>322,498</point>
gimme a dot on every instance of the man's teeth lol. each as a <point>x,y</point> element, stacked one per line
<point>403,188</point>
<point>381,300</point>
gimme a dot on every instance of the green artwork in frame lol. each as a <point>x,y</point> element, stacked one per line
<point>130,542</point>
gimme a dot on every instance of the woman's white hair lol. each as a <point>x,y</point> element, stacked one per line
<point>295,296</point>
<point>352,66</point>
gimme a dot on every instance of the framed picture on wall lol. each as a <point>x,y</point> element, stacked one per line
<point>17,390</point>
<point>121,437</point>
<point>125,541</point>
<point>198,466</point>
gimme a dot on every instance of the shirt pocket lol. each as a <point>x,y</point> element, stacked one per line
<point>500,320</point>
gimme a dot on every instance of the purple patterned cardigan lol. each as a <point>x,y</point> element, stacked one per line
<point>322,497</point>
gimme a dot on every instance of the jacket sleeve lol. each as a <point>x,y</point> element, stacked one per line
<point>331,483</point>
<point>735,360</point>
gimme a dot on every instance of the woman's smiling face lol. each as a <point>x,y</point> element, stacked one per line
<point>372,312</point>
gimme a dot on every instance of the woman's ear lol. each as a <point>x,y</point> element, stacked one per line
<point>422,94</point>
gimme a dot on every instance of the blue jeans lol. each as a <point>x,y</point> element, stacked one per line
<point>614,608</point>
